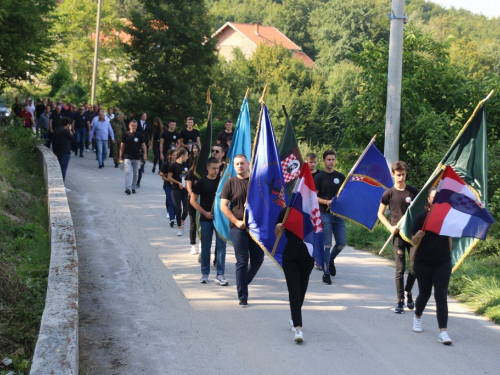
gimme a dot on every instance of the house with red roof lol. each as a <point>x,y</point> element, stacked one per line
<point>247,37</point>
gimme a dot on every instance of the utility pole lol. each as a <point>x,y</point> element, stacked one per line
<point>394,77</point>
<point>96,52</point>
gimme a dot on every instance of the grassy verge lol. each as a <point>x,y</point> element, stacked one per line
<point>24,248</point>
<point>476,282</point>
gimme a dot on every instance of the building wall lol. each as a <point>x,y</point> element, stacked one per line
<point>229,39</point>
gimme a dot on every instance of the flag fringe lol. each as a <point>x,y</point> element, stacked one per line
<point>464,255</point>
<point>264,249</point>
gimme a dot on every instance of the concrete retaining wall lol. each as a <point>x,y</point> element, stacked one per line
<point>56,350</point>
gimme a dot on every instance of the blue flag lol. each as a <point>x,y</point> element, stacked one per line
<point>266,191</point>
<point>241,144</point>
<point>359,198</point>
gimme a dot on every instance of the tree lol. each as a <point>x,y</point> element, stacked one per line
<point>26,39</point>
<point>172,53</point>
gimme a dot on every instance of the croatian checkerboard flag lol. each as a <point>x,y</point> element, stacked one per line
<point>304,218</point>
<point>457,212</point>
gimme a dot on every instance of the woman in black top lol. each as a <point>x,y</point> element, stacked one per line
<point>190,182</point>
<point>177,176</point>
<point>195,151</point>
<point>432,266</point>
<point>155,142</point>
<point>167,185</point>
<point>297,266</point>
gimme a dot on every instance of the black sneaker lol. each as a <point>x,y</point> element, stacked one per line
<point>409,301</point>
<point>127,191</point>
<point>333,271</point>
<point>400,307</point>
<point>153,170</point>
<point>243,302</point>
<point>101,166</point>
<point>327,279</point>
<point>172,222</point>
<point>116,165</point>
<point>133,191</point>
<point>82,156</point>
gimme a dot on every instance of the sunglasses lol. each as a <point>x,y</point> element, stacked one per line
<point>216,151</point>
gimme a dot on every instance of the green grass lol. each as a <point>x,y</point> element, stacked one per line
<point>24,247</point>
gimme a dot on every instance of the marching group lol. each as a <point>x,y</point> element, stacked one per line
<point>76,128</point>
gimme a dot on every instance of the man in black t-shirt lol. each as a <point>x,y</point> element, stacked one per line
<point>81,126</point>
<point>328,183</point>
<point>61,139</point>
<point>206,188</point>
<point>190,135</point>
<point>235,192</point>
<point>132,142</point>
<point>169,139</point>
<point>399,198</point>
<point>55,118</point>
<point>222,136</point>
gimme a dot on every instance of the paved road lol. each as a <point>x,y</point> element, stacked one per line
<point>143,310</point>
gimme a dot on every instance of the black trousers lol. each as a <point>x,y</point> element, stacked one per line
<point>156,154</point>
<point>440,277</point>
<point>297,265</point>
<point>181,202</point>
<point>400,259</point>
<point>192,224</point>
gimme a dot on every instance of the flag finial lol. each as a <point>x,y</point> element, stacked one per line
<point>262,99</point>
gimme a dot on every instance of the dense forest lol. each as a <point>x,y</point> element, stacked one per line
<point>451,61</point>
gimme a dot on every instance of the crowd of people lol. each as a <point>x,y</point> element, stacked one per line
<point>70,128</point>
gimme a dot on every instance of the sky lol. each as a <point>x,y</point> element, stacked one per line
<point>490,8</point>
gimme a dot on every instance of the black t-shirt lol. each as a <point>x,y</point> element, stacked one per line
<point>434,249</point>
<point>398,201</point>
<point>189,137</point>
<point>236,190</point>
<point>164,169</point>
<point>80,120</point>
<point>56,119</point>
<point>61,140</point>
<point>179,173</point>
<point>132,143</point>
<point>327,186</point>
<point>39,109</point>
<point>222,137</point>
<point>156,134</point>
<point>206,188</point>
<point>169,140</point>
<point>316,173</point>
<point>191,176</point>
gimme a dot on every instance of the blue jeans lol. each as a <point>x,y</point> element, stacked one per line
<point>64,162</point>
<point>207,231</point>
<point>80,140</point>
<point>102,150</point>
<point>169,203</point>
<point>333,225</point>
<point>244,248</point>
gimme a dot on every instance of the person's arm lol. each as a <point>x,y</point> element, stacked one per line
<point>189,186</point>
<point>198,141</point>
<point>145,150</point>
<point>224,207</point>
<point>122,146</point>
<point>164,177</point>
<point>417,237</point>
<point>162,157</point>
<point>178,143</point>
<point>381,216</point>
<point>50,126</point>
<point>173,181</point>
<point>194,202</point>
<point>110,129</point>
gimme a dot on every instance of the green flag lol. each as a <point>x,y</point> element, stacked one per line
<point>206,145</point>
<point>468,157</point>
<point>290,157</point>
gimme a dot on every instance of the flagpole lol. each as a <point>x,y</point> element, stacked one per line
<point>246,94</point>
<point>262,102</point>
<point>280,233</point>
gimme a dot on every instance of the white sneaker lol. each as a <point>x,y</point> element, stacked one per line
<point>417,324</point>
<point>221,280</point>
<point>193,249</point>
<point>204,279</point>
<point>290,324</point>
<point>444,338</point>
<point>67,190</point>
<point>179,232</point>
<point>299,336</point>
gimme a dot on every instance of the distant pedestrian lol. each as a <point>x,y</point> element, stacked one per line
<point>167,185</point>
<point>81,127</point>
<point>170,139</point>
<point>131,143</point>
<point>432,266</point>
<point>102,130</point>
<point>189,136</point>
<point>119,128</point>
<point>155,142</point>
<point>177,176</point>
<point>206,188</point>
<point>191,180</point>
<point>61,140</point>
<point>222,136</point>
<point>26,116</point>
<point>43,126</point>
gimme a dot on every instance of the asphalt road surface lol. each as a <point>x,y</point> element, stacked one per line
<point>143,310</point>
